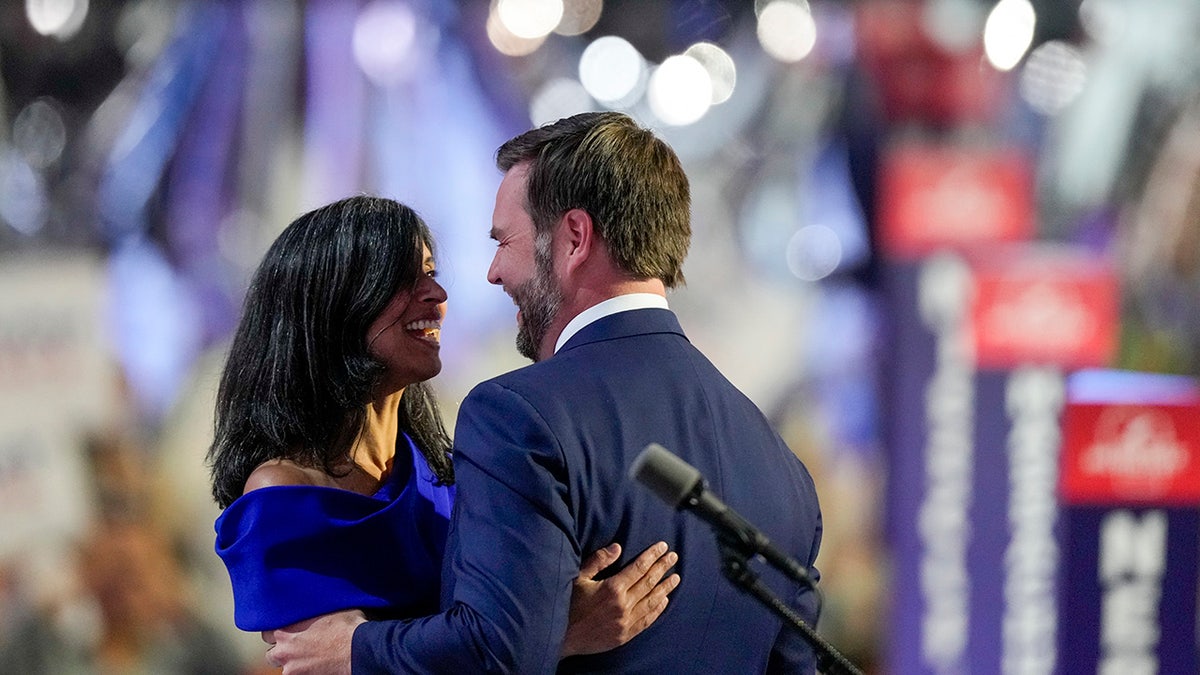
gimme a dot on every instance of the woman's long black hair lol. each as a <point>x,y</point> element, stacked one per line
<point>299,377</point>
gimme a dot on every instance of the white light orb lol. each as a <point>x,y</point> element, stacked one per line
<point>721,70</point>
<point>506,42</point>
<point>1053,77</point>
<point>383,41</point>
<point>1008,33</point>
<point>680,91</point>
<point>579,16</point>
<point>612,70</point>
<point>61,19</point>
<point>786,30</point>
<point>530,19</point>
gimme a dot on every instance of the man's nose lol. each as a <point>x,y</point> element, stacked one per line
<point>493,273</point>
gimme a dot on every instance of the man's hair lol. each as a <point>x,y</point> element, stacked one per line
<point>628,180</point>
<point>299,373</point>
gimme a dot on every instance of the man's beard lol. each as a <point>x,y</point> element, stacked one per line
<point>539,300</point>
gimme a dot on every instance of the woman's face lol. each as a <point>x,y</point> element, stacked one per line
<point>406,335</point>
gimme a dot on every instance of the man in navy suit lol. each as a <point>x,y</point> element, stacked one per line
<point>592,225</point>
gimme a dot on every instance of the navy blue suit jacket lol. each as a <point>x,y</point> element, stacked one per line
<point>541,460</point>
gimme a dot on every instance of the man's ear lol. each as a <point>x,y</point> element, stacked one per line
<point>579,237</point>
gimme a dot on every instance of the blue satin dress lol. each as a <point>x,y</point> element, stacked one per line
<point>295,552</point>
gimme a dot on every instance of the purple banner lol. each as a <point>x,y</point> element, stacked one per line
<point>1131,524</point>
<point>1129,590</point>
<point>973,460</point>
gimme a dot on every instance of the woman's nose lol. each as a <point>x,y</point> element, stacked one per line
<point>432,291</point>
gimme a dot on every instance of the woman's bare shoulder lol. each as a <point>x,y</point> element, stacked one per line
<point>283,472</point>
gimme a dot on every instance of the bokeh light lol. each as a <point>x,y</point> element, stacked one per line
<point>384,35</point>
<point>786,30</point>
<point>22,194</point>
<point>1053,76</point>
<point>59,18</point>
<point>680,91</point>
<point>39,133</point>
<point>722,72</point>
<point>505,41</point>
<point>530,19</point>
<point>579,16</point>
<point>1008,33</point>
<point>814,252</point>
<point>612,71</point>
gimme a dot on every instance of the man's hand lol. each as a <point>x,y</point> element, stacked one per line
<point>319,646</point>
<point>607,614</point>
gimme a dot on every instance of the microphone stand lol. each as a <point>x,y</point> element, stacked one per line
<point>736,566</point>
<point>681,485</point>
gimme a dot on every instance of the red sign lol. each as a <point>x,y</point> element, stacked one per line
<point>1043,304</point>
<point>1131,454</point>
<point>919,78</point>
<point>937,197</point>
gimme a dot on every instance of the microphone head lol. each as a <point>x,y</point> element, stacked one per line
<point>667,476</point>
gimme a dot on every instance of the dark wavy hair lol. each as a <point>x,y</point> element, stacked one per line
<point>628,180</point>
<point>299,375</point>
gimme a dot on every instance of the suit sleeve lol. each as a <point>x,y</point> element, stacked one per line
<point>511,554</point>
<point>791,653</point>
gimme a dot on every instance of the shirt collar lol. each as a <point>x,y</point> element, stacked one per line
<point>621,303</point>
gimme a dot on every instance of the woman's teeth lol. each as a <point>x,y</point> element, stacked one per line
<point>427,329</point>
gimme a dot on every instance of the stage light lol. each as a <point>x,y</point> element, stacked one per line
<point>612,71</point>
<point>1008,33</point>
<point>384,38</point>
<point>579,16</point>
<point>722,72</point>
<point>813,252</point>
<point>680,91</point>
<point>530,19</point>
<point>58,18</point>
<point>1053,76</point>
<point>786,30</point>
<point>505,41</point>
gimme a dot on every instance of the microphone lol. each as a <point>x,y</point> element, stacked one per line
<point>680,484</point>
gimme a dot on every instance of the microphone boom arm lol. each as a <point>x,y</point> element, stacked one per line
<point>735,531</point>
<point>681,485</point>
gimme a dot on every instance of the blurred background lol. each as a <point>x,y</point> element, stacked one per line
<point>909,217</point>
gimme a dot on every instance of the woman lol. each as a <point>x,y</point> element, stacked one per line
<point>331,460</point>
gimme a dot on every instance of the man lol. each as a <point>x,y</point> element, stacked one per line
<point>592,226</point>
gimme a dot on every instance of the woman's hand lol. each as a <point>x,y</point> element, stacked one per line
<point>607,614</point>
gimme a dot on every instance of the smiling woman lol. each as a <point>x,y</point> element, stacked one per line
<point>323,388</point>
<point>302,387</point>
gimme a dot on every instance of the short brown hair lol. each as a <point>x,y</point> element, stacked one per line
<point>628,180</point>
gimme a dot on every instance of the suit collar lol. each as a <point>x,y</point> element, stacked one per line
<point>625,324</point>
<point>612,305</point>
